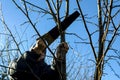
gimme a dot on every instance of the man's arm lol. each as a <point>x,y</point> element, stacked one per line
<point>28,59</point>
<point>62,48</point>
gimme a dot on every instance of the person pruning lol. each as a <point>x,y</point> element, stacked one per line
<point>32,66</point>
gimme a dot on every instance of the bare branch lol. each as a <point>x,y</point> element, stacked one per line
<point>118,76</point>
<point>87,30</point>
<point>67,8</point>
<point>43,10</point>
<point>5,25</point>
<point>75,35</point>
<point>114,35</point>
<point>52,12</point>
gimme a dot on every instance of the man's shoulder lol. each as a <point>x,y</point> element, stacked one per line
<point>12,66</point>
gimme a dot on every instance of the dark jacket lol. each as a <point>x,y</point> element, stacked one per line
<point>28,68</point>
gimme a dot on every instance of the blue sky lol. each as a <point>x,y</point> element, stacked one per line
<point>14,18</point>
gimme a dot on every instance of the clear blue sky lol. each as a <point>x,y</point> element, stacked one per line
<point>14,18</point>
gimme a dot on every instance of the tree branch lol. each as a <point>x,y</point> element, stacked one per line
<point>91,43</point>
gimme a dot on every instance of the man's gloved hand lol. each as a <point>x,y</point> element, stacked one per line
<point>62,49</point>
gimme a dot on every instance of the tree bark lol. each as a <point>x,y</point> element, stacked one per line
<point>99,64</point>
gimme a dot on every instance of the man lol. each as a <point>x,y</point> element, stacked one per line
<point>31,65</point>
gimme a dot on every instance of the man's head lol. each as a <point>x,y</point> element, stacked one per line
<point>40,44</point>
<point>39,47</point>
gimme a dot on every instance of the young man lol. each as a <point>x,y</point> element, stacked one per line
<point>31,65</point>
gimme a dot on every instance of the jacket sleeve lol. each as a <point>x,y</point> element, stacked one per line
<point>30,57</point>
<point>60,55</point>
<point>21,65</point>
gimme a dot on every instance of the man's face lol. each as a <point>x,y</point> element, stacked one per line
<point>40,45</point>
<point>40,48</point>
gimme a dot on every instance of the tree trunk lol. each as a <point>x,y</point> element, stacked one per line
<point>98,71</point>
<point>99,64</point>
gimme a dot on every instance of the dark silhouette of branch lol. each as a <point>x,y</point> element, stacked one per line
<point>87,29</point>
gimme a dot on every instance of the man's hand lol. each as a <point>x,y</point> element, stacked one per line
<point>62,49</point>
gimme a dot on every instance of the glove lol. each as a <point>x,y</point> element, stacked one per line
<point>62,49</point>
